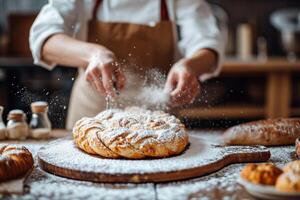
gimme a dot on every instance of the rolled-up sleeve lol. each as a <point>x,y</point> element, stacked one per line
<point>55,17</point>
<point>198,30</point>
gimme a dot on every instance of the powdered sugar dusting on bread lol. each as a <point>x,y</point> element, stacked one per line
<point>167,126</point>
<point>133,133</point>
<point>284,126</point>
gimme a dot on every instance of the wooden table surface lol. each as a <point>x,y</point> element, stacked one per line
<point>218,185</point>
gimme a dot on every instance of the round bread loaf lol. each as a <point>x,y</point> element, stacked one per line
<point>288,182</point>
<point>14,162</point>
<point>265,173</point>
<point>268,132</point>
<point>133,133</point>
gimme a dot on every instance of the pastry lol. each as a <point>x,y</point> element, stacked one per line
<point>265,173</point>
<point>264,132</point>
<point>133,133</point>
<point>297,147</point>
<point>288,182</point>
<point>293,166</point>
<point>14,162</point>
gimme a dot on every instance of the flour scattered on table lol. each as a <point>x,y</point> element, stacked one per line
<point>219,185</point>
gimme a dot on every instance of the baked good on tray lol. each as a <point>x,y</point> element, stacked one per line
<point>266,173</point>
<point>288,182</point>
<point>293,166</point>
<point>268,132</point>
<point>297,147</point>
<point>15,161</point>
<point>132,133</point>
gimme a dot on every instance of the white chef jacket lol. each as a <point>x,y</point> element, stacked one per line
<point>197,25</point>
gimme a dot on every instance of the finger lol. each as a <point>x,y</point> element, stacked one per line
<point>107,81</point>
<point>90,80</point>
<point>189,93</point>
<point>179,88</point>
<point>194,92</point>
<point>97,80</point>
<point>92,83</point>
<point>197,88</point>
<point>171,82</point>
<point>98,84</point>
<point>88,77</point>
<point>186,91</point>
<point>121,79</point>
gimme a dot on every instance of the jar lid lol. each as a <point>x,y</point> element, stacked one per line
<point>39,106</point>
<point>16,115</point>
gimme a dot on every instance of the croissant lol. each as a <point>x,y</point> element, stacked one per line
<point>14,162</point>
<point>132,133</point>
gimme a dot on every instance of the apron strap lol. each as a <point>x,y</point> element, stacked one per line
<point>95,9</point>
<point>164,14</point>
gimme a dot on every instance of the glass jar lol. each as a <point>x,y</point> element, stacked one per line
<point>2,125</point>
<point>40,125</point>
<point>17,128</point>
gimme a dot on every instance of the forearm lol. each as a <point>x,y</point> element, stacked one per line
<point>67,51</point>
<point>203,61</point>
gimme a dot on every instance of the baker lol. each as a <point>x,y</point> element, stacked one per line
<point>100,38</point>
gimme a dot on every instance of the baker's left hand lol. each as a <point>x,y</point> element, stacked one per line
<point>182,84</point>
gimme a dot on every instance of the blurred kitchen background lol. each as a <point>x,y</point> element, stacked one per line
<point>260,77</point>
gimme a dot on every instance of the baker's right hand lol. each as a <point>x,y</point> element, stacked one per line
<point>104,73</point>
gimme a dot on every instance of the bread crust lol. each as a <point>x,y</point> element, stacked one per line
<point>15,161</point>
<point>297,147</point>
<point>288,182</point>
<point>293,166</point>
<point>132,133</point>
<point>270,132</point>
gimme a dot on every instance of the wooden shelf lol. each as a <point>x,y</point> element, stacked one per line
<point>16,62</point>
<point>237,66</point>
<point>223,112</point>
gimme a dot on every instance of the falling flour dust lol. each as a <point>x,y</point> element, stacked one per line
<point>147,91</point>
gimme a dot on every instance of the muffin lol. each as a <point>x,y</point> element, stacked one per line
<point>265,173</point>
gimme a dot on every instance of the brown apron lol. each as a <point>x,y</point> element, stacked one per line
<point>138,46</point>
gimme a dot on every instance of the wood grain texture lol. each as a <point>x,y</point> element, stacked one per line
<point>207,158</point>
<point>236,66</point>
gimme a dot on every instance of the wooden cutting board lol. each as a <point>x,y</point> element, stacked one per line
<point>62,158</point>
